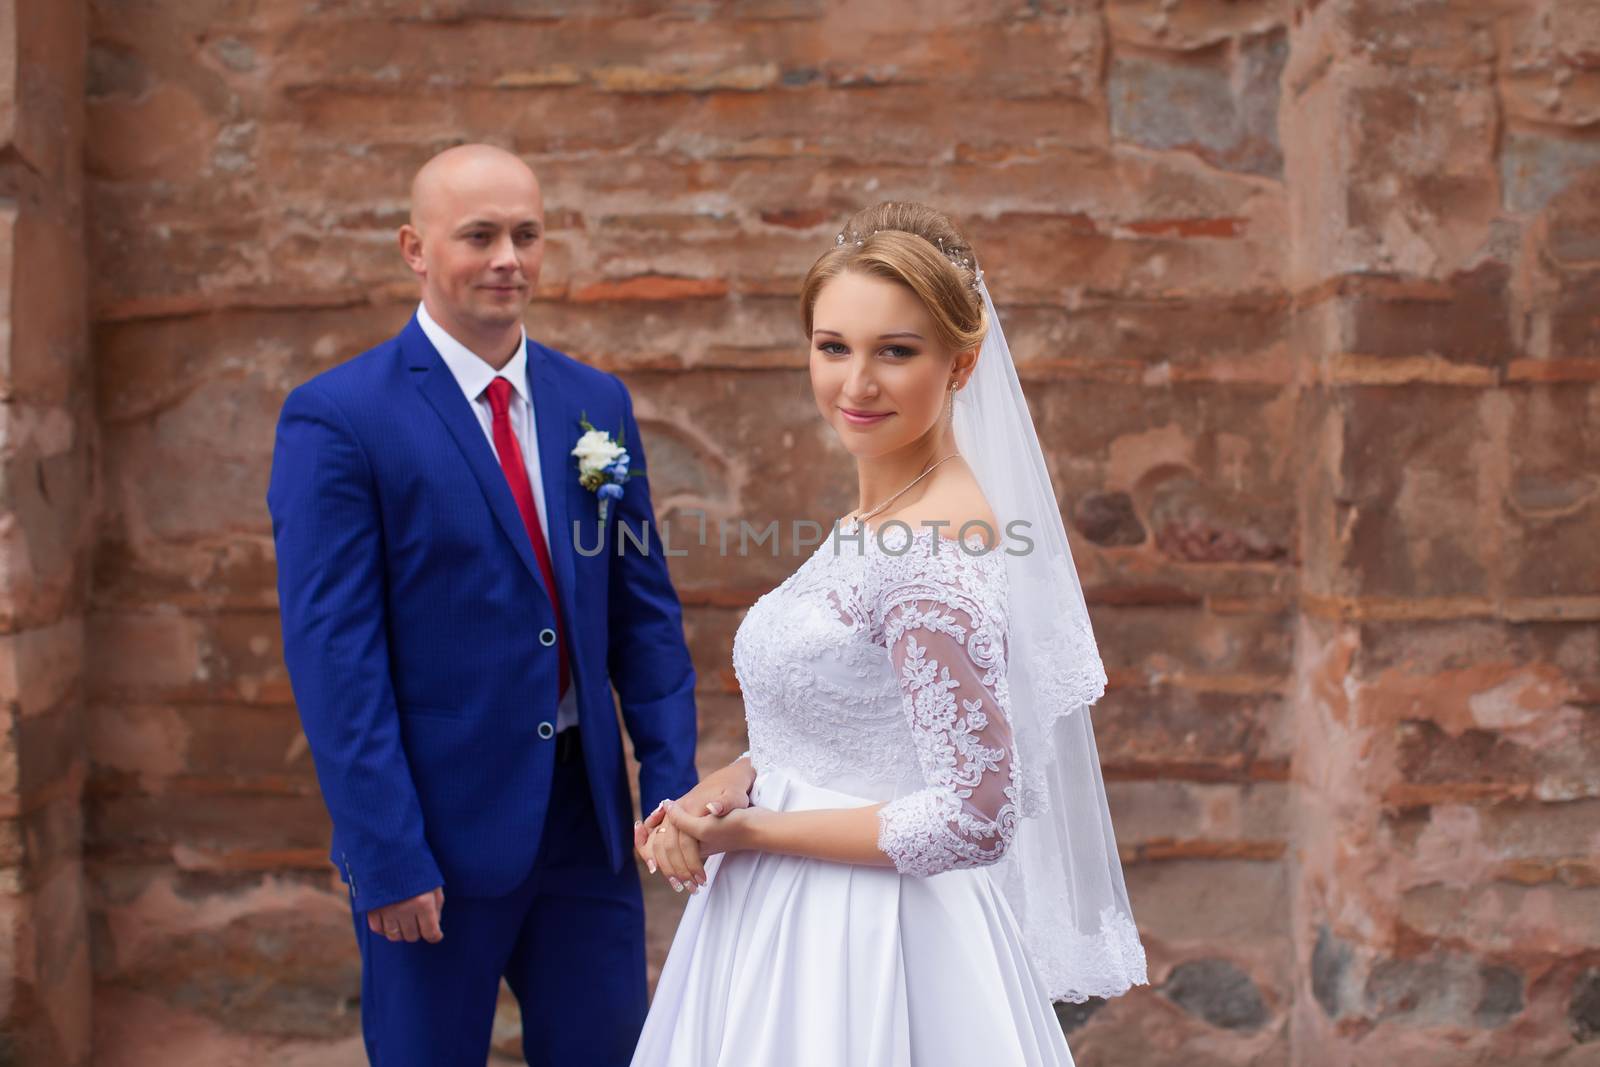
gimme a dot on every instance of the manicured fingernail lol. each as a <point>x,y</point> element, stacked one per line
<point>652,865</point>
<point>714,808</point>
<point>637,824</point>
<point>677,886</point>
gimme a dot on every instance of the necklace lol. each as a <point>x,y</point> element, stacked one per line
<point>925,472</point>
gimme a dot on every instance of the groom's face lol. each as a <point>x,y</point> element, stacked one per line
<point>480,242</point>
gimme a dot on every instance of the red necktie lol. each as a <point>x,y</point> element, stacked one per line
<point>516,472</point>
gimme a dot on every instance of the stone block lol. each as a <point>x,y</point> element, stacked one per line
<point>1400,194</point>
<point>1536,167</point>
<point>1466,318</point>
<point>40,669</point>
<point>1221,104</point>
<point>1041,258</point>
<point>1573,326</point>
<point>1189,27</point>
<point>1194,648</point>
<point>1154,342</point>
<point>46,475</point>
<point>208,826</point>
<point>1403,516</point>
<point>1551,508</point>
<point>235,743</point>
<point>1192,906</point>
<point>270,960</point>
<point>1217,991</point>
<point>1196,523</point>
<point>197,468</point>
<point>42,95</point>
<point>1163,732</point>
<point>1158,819</point>
<point>137,652</point>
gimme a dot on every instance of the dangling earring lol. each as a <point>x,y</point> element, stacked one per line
<point>951,412</point>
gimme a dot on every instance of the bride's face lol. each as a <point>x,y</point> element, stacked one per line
<point>878,371</point>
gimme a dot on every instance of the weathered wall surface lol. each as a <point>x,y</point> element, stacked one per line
<point>1446,266</point>
<point>47,435</point>
<point>1303,295</point>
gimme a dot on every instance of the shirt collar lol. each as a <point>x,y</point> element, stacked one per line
<point>469,370</point>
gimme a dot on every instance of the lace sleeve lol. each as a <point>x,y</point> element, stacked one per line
<point>948,651</point>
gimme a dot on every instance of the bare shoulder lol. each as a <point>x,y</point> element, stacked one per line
<point>955,504</point>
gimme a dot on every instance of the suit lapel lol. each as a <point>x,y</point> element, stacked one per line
<point>439,388</point>
<point>555,423</point>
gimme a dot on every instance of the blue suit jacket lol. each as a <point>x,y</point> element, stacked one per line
<point>412,608</point>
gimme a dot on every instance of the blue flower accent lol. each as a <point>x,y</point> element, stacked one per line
<point>604,465</point>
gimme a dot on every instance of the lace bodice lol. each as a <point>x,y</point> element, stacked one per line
<point>879,668</point>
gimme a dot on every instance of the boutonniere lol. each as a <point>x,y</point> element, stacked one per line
<point>602,464</point>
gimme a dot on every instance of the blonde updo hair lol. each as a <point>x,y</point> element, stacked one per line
<point>918,247</point>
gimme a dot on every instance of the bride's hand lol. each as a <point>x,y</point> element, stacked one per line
<point>720,792</point>
<point>676,854</point>
<point>729,833</point>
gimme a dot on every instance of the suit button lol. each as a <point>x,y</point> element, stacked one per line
<point>547,637</point>
<point>547,730</point>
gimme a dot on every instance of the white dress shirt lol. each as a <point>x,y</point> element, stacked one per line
<point>473,374</point>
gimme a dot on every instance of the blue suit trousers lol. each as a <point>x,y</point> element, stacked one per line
<point>569,941</point>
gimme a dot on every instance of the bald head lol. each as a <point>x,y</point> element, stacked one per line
<point>466,172</point>
<point>476,243</point>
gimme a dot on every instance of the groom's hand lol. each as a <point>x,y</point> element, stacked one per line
<point>410,920</point>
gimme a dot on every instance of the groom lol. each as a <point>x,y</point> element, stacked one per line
<point>453,657</point>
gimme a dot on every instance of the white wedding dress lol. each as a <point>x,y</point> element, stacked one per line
<point>875,673</point>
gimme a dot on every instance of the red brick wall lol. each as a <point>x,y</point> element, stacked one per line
<point>1304,297</point>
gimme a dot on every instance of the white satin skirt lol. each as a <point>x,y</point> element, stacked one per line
<point>788,962</point>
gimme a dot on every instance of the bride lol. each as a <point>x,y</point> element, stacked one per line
<point>925,860</point>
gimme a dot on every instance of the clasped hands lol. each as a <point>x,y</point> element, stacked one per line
<point>678,837</point>
<point>675,841</point>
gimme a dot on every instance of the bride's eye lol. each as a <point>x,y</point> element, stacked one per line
<point>833,348</point>
<point>899,351</point>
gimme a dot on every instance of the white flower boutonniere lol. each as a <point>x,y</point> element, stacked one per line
<point>602,464</point>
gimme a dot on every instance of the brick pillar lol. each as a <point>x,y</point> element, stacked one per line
<point>46,483</point>
<point>1447,668</point>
